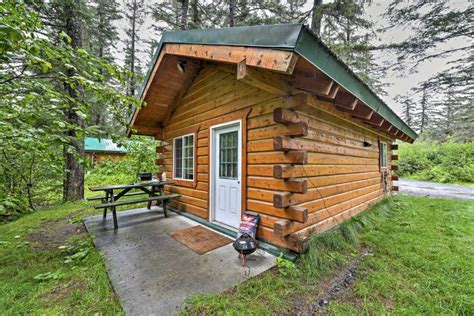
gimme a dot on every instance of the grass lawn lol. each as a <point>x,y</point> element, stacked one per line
<point>408,255</point>
<point>48,265</point>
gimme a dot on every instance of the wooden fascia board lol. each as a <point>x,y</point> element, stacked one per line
<point>270,59</point>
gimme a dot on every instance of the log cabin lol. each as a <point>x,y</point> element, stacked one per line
<point>99,149</point>
<point>267,119</point>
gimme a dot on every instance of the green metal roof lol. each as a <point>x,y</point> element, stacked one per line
<point>102,145</point>
<point>293,37</point>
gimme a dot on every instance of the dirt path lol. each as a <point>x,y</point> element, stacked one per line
<point>433,189</point>
<point>337,286</point>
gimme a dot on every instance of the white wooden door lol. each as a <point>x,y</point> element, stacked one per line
<point>227,174</point>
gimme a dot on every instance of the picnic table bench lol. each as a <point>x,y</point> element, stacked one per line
<point>154,190</point>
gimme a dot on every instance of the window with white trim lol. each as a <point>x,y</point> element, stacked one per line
<point>383,155</point>
<point>183,157</point>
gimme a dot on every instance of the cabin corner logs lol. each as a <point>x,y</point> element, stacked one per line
<point>306,165</point>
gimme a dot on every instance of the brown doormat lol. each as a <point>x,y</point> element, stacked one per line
<point>200,239</point>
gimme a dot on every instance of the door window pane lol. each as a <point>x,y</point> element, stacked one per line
<point>228,151</point>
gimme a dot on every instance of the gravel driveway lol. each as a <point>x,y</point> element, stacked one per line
<point>433,189</point>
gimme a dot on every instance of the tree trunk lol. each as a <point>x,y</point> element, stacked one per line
<point>316,17</point>
<point>232,7</point>
<point>423,112</point>
<point>408,114</point>
<point>195,17</point>
<point>449,113</point>
<point>131,86</point>
<point>73,183</point>
<point>184,14</point>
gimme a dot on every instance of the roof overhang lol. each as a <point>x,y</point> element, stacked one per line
<point>276,48</point>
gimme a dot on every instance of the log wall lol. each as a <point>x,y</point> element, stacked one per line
<point>306,163</point>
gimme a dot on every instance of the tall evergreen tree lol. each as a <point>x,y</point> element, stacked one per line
<point>56,81</point>
<point>434,24</point>
<point>103,37</point>
<point>135,13</point>
<point>342,25</point>
<point>103,29</point>
<point>223,13</point>
<point>407,109</point>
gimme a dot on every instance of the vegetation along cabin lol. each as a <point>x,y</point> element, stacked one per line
<point>267,119</point>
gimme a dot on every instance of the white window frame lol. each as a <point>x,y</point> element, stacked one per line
<point>182,157</point>
<point>381,158</point>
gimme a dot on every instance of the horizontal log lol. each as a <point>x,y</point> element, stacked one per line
<point>285,199</point>
<point>290,185</point>
<point>334,207</point>
<point>287,171</point>
<point>285,116</point>
<point>394,146</point>
<point>159,161</point>
<point>297,185</point>
<point>394,167</point>
<point>298,214</point>
<point>297,157</point>
<point>271,130</point>
<point>282,228</point>
<point>394,178</point>
<point>196,210</point>
<point>340,148</point>
<point>395,188</point>
<point>394,157</point>
<point>328,222</point>
<point>291,157</point>
<point>160,149</point>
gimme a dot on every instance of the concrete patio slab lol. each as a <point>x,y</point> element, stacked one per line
<point>152,273</point>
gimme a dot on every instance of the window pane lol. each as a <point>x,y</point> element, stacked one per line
<point>383,155</point>
<point>178,158</point>
<point>228,160</point>
<point>188,167</point>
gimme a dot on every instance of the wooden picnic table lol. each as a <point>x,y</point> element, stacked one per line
<point>154,189</point>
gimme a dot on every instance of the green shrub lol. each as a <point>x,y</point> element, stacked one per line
<point>12,207</point>
<point>447,162</point>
